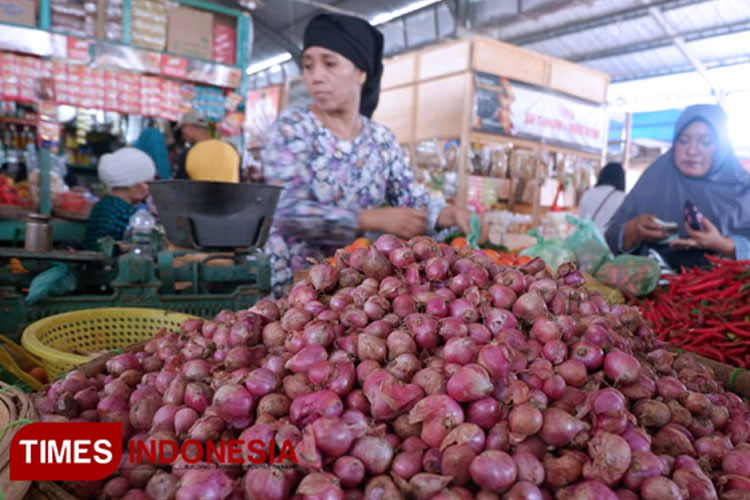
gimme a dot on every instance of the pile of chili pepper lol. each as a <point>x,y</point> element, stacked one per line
<point>705,311</point>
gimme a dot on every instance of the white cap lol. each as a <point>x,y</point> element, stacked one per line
<point>126,167</point>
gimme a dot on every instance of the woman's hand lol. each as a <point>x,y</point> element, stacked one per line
<point>709,238</point>
<point>642,228</point>
<point>461,218</point>
<point>403,222</point>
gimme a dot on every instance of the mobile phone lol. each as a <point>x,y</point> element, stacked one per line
<point>693,216</point>
<point>669,227</point>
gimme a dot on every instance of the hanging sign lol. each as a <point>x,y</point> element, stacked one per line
<point>515,109</point>
<point>174,66</point>
<point>78,50</point>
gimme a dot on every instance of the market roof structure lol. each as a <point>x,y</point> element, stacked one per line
<point>629,39</point>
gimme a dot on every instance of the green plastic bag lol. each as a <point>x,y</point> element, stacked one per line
<point>552,251</point>
<point>57,280</point>
<point>476,231</point>
<point>632,275</point>
<point>588,243</point>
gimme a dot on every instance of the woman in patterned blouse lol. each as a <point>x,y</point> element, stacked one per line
<point>343,174</point>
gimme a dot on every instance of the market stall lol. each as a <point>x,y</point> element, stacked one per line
<point>76,81</point>
<point>498,125</point>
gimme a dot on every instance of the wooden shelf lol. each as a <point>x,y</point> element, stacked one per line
<point>504,139</point>
<point>526,144</point>
<point>18,121</point>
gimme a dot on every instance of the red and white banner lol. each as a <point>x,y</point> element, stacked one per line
<point>65,451</point>
<point>92,451</point>
<point>525,111</point>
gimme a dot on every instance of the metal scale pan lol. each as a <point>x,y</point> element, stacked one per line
<point>215,215</point>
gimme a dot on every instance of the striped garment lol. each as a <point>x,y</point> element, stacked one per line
<point>109,217</point>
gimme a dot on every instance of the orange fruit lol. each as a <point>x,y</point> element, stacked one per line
<point>523,259</point>
<point>492,254</point>
<point>360,243</point>
<point>39,373</point>
<point>505,260</point>
<point>459,242</point>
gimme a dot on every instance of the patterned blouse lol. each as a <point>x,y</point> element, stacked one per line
<point>109,217</point>
<point>327,181</point>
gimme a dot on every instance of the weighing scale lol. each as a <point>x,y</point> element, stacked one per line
<point>220,229</point>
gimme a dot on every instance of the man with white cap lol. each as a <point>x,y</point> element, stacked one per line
<point>125,172</point>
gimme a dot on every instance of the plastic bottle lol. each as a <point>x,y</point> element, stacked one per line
<point>140,226</point>
<point>16,139</point>
<point>7,137</point>
<point>28,137</point>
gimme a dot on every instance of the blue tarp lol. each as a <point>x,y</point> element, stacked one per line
<point>655,125</point>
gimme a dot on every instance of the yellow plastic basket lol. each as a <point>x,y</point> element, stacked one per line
<point>56,339</point>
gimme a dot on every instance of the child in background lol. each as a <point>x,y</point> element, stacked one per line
<point>125,172</point>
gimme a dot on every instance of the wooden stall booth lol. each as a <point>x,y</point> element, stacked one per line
<point>479,90</point>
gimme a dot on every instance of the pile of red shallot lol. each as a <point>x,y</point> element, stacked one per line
<point>408,370</point>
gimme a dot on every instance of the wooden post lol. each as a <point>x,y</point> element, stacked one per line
<point>628,134</point>
<point>45,195</point>
<point>414,111</point>
<point>537,190</point>
<point>465,143</point>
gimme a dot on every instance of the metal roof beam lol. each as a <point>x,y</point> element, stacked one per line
<point>676,70</point>
<point>597,22</point>
<point>533,13</point>
<point>330,8</point>
<point>276,37</point>
<point>665,41</point>
<point>276,34</point>
<point>679,42</point>
<point>461,13</point>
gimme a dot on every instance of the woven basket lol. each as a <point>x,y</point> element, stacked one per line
<point>16,408</point>
<point>47,490</point>
<point>56,340</point>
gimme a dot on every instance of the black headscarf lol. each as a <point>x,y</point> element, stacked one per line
<point>358,41</point>
<point>612,175</point>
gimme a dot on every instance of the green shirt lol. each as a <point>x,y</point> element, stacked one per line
<point>109,217</point>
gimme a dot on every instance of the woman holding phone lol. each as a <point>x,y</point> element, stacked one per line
<point>701,168</point>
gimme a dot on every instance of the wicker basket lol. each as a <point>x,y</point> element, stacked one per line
<point>57,340</point>
<point>47,490</point>
<point>15,363</point>
<point>16,408</point>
